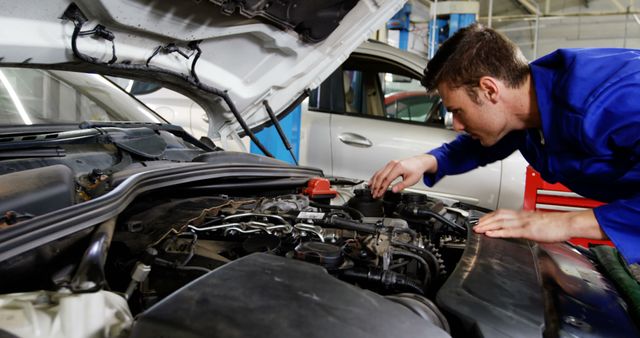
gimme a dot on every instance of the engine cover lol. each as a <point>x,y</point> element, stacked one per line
<point>263,295</point>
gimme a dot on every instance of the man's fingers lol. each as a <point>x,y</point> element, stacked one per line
<point>376,181</point>
<point>506,233</point>
<point>398,187</point>
<point>487,227</point>
<point>490,221</point>
<point>388,174</point>
<point>383,185</point>
<point>409,169</point>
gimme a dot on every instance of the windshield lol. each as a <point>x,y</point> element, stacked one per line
<point>33,96</point>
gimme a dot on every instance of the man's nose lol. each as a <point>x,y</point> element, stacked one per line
<point>457,125</point>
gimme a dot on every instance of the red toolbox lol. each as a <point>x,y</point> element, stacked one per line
<point>543,196</point>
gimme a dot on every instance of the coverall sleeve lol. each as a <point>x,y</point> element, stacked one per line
<point>464,154</point>
<point>620,220</point>
<point>614,122</point>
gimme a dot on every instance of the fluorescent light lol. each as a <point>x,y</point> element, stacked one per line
<point>15,99</point>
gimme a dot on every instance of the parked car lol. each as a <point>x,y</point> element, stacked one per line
<point>352,114</point>
<point>115,223</point>
<point>371,110</point>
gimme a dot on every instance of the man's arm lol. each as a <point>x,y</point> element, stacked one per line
<point>460,155</point>
<point>465,154</point>
<point>541,226</point>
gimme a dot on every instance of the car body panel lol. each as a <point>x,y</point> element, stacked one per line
<point>380,140</point>
<point>250,60</point>
<point>497,185</point>
<point>397,140</point>
<point>517,288</point>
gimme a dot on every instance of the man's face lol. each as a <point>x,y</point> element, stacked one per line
<point>484,121</point>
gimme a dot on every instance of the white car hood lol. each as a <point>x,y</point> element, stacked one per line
<point>252,55</point>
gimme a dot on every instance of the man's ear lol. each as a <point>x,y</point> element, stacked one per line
<point>489,88</point>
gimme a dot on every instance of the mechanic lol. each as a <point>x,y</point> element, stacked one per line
<point>573,114</point>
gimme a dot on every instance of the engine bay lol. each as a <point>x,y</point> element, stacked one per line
<point>402,247</point>
<point>110,241</point>
<point>378,245</point>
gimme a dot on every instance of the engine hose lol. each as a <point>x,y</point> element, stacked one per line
<point>425,254</point>
<point>461,230</point>
<point>341,223</point>
<point>387,279</point>
<point>350,210</point>
<point>427,268</point>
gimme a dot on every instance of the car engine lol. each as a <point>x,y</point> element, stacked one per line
<point>127,248</point>
<point>356,242</point>
<point>177,251</point>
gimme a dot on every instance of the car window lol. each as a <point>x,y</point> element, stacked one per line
<point>32,96</point>
<point>355,91</point>
<point>405,99</point>
<point>373,90</point>
<point>329,96</point>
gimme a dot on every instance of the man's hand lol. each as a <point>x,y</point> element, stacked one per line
<point>410,169</point>
<point>540,226</point>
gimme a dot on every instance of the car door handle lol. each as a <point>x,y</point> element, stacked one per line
<point>355,140</point>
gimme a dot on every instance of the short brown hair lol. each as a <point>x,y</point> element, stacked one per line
<point>473,52</point>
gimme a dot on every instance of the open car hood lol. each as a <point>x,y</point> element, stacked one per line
<point>225,54</point>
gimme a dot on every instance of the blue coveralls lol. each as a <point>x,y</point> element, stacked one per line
<point>589,103</point>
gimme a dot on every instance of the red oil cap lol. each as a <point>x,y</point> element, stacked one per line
<point>319,188</point>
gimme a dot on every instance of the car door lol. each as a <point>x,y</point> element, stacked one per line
<point>377,113</point>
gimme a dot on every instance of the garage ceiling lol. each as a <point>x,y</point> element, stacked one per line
<point>542,26</point>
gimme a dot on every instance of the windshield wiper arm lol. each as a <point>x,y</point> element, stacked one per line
<point>39,140</point>
<point>171,128</point>
<point>34,152</point>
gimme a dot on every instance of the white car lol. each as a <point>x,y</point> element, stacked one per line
<point>373,109</point>
<point>116,224</point>
<point>370,111</point>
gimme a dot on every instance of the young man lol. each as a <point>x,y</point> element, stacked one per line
<point>573,114</point>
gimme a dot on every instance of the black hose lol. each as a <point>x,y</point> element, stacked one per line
<point>461,230</point>
<point>341,223</point>
<point>386,279</point>
<point>177,266</point>
<point>427,272</point>
<point>425,254</point>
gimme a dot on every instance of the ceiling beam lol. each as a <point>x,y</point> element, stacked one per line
<point>547,6</point>
<point>427,3</point>
<point>559,15</point>
<point>531,8</point>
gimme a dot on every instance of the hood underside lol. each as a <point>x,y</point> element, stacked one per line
<point>223,54</point>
